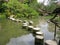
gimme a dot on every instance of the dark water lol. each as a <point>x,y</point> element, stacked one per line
<point>29,39</point>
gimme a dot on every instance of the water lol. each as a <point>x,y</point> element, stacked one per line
<point>23,40</point>
<point>29,39</point>
<point>47,35</point>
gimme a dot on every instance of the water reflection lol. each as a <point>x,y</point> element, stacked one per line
<point>44,28</point>
<point>23,40</point>
<point>29,39</point>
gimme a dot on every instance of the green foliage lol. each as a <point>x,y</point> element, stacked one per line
<point>2,16</point>
<point>51,7</point>
<point>19,9</point>
<point>48,8</point>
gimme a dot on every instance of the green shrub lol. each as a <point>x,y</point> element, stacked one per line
<point>2,16</point>
<point>19,9</point>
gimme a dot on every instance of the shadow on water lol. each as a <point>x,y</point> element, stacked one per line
<point>29,39</point>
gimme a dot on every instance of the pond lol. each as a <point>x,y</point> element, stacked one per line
<point>29,39</point>
<point>10,29</point>
<point>47,34</point>
<point>23,40</point>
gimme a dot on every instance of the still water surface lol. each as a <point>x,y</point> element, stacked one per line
<point>29,39</point>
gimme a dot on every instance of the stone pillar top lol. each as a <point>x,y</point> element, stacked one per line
<point>39,37</point>
<point>51,42</point>
<point>30,26</point>
<point>36,28</point>
<point>39,32</point>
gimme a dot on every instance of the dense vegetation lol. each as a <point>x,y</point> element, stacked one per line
<point>23,8</point>
<point>15,7</point>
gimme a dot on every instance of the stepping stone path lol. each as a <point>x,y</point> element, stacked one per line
<point>29,39</point>
<point>50,42</point>
<point>13,19</point>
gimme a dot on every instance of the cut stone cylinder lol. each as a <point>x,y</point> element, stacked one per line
<point>18,20</point>
<point>39,33</point>
<point>35,30</point>
<point>30,28</point>
<point>50,42</point>
<point>13,19</point>
<point>59,42</point>
<point>30,22</point>
<point>24,26</point>
<point>39,40</point>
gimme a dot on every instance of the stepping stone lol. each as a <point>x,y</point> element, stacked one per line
<point>12,16</point>
<point>30,28</point>
<point>18,20</point>
<point>39,40</point>
<point>13,19</point>
<point>39,33</point>
<point>30,22</point>
<point>39,37</point>
<point>35,30</point>
<point>25,25</point>
<point>50,42</point>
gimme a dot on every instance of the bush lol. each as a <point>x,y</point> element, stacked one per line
<point>14,7</point>
<point>2,16</point>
